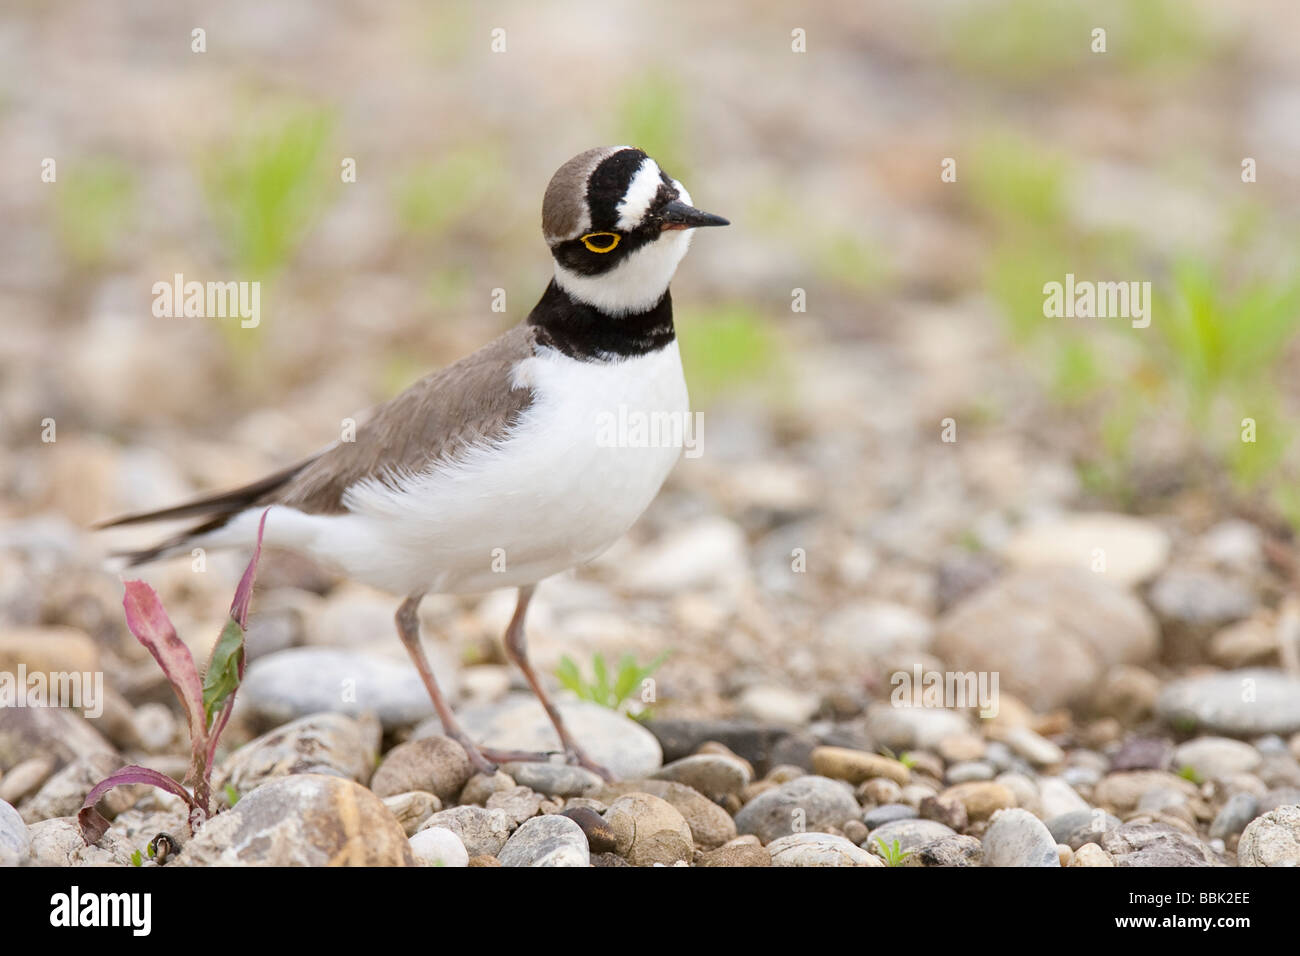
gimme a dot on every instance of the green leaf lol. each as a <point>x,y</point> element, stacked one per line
<point>602,688</point>
<point>222,677</point>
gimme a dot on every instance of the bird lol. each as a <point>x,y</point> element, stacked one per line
<point>490,472</point>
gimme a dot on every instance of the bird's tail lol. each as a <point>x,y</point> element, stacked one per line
<point>218,509</point>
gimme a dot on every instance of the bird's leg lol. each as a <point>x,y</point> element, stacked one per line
<point>408,628</point>
<point>517,651</point>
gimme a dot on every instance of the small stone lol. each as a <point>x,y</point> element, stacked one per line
<point>618,743</point>
<point>64,792</point>
<point>58,842</point>
<point>155,726</point>
<point>819,849</point>
<point>1135,549</point>
<point>747,854</point>
<point>1236,813</point>
<point>484,860</point>
<point>1056,797</point>
<point>1200,598</point>
<point>879,790</point>
<point>483,832</point>
<point>909,834</point>
<point>25,779</point>
<point>955,850</point>
<point>1018,838</point>
<point>302,820</point>
<point>553,840</point>
<point>971,770</point>
<point>815,802</point>
<point>552,779</point>
<point>981,799</point>
<point>15,842</point>
<point>1064,854</point>
<point>1077,827</point>
<point>1272,839</point>
<point>1143,753</point>
<point>601,837</point>
<point>961,748</point>
<point>1143,843</point>
<point>413,808</point>
<point>713,775</point>
<point>948,810</point>
<point>888,813</point>
<point>1038,750</point>
<point>326,743</point>
<point>1122,792</point>
<point>437,765</point>
<point>300,681</point>
<point>1213,758</point>
<point>438,846</point>
<point>854,766</point>
<point>771,703</point>
<point>518,803</point>
<point>1091,855</point>
<point>855,831</point>
<point>482,785</point>
<point>911,728</point>
<point>28,733</point>
<point>710,824</point>
<point>1128,693</point>
<point>649,830</point>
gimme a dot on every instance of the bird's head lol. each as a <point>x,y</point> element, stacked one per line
<point>618,225</point>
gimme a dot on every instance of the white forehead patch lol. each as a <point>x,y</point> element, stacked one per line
<point>641,192</point>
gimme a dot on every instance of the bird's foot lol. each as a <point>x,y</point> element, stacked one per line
<point>578,757</point>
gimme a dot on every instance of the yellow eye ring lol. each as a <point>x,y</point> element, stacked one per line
<point>592,241</point>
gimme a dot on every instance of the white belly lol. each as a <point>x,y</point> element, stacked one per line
<point>572,478</point>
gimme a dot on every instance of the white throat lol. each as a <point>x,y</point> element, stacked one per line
<point>637,283</point>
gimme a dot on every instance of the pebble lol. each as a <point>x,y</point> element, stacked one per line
<point>949,811</point>
<point>955,850</point>
<point>910,834</point>
<point>1052,633</point>
<point>708,551</point>
<point>300,681</point>
<point>1143,843</point>
<point>649,830</point>
<point>970,770</point>
<point>325,743</point>
<point>710,824</point>
<point>1134,549</point>
<point>808,803</point>
<point>552,840</point>
<point>908,728</point>
<point>1200,598</point>
<point>58,842</point>
<point>28,733</point>
<point>1143,753</point>
<point>25,779</point>
<point>888,813</point>
<point>865,631</point>
<point>618,743</point>
<point>412,809</point>
<point>1018,838</point>
<point>855,766</point>
<point>1037,749</point>
<point>551,779</point>
<point>819,849</point>
<point>961,748</point>
<point>48,650</point>
<point>601,837</point>
<point>483,832</point>
<point>1056,797</point>
<point>981,799</point>
<point>746,854</point>
<point>438,846</point>
<point>482,785</point>
<point>771,703</point>
<point>1078,827</point>
<point>302,820</point>
<point>1091,855</point>
<point>518,803</point>
<point>1213,758</point>
<point>64,792</point>
<point>15,842</point>
<point>1122,792</point>
<point>1243,703</point>
<point>1272,839</point>
<point>713,775</point>
<point>880,791</point>
<point>434,764</point>
<point>1236,813</point>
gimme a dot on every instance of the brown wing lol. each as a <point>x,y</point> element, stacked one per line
<point>437,417</point>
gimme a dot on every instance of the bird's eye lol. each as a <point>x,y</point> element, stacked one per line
<point>601,241</point>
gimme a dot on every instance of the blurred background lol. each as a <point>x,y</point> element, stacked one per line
<point>824,427</point>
